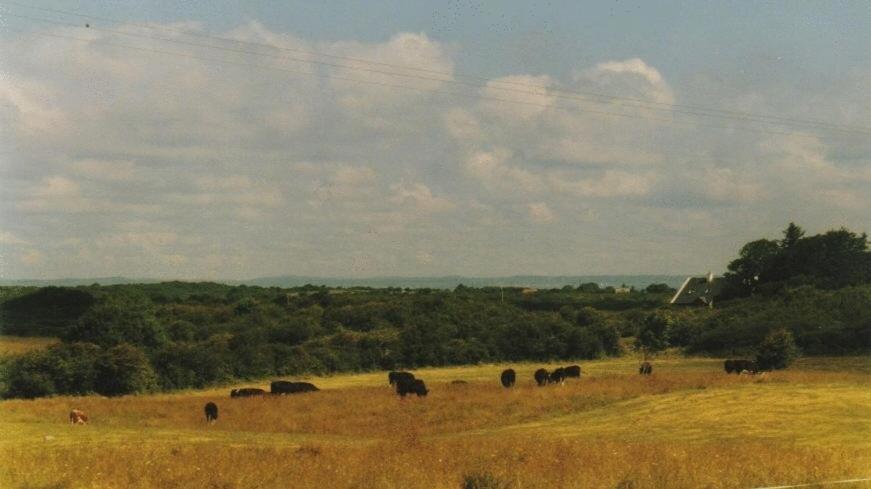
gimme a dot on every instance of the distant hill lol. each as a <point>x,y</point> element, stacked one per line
<point>446,282</point>
<point>74,282</point>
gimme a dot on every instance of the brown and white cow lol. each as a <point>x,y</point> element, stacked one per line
<point>78,417</point>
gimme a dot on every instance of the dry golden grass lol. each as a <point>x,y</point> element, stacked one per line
<point>688,425</point>
<point>16,345</point>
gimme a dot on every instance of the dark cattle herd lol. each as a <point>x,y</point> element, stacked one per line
<point>211,410</point>
<point>541,377</point>
<point>558,376</point>
<point>740,366</point>
<point>285,387</point>
<point>247,392</point>
<point>508,377</point>
<point>405,383</point>
<point>645,369</point>
<point>573,371</point>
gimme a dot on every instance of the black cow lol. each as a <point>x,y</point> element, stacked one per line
<point>413,386</point>
<point>738,366</point>
<point>573,371</point>
<point>645,369</point>
<point>508,378</point>
<point>394,377</point>
<point>247,392</point>
<point>211,410</point>
<point>541,375</point>
<point>558,376</point>
<point>285,387</point>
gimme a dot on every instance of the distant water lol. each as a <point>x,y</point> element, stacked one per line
<point>447,282</point>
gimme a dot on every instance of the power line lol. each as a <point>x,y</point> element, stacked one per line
<point>421,89</point>
<point>549,91</point>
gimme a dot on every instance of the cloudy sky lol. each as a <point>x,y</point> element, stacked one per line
<point>207,140</point>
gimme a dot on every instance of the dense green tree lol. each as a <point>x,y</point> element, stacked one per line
<point>47,311</point>
<point>659,289</point>
<point>29,376</point>
<point>74,369</point>
<point>777,351</point>
<point>752,265</point>
<point>653,333</point>
<point>834,259</point>
<point>791,235</point>
<point>124,369</point>
<point>117,320</point>
<point>589,287</point>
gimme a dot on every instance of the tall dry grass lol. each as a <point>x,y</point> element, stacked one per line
<point>688,425</point>
<point>411,462</point>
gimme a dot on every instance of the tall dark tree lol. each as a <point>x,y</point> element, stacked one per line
<point>791,235</point>
<point>752,265</point>
<point>653,334</point>
<point>832,260</point>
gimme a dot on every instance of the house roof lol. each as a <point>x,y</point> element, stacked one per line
<point>697,290</point>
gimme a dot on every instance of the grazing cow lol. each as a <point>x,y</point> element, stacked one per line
<point>394,377</point>
<point>541,376</point>
<point>78,417</point>
<point>247,392</point>
<point>413,386</point>
<point>573,371</point>
<point>508,377</point>
<point>558,376</point>
<point>645,369</point>
<point>211,410</point>
<point>736,366</point>
<point>285,387</point>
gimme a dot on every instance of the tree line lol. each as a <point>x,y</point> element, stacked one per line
<point>137,338</point>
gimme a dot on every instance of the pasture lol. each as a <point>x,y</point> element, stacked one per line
<point>16,345</point>
<point>688,425</point>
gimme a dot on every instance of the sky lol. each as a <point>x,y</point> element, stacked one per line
<point>233,140</point>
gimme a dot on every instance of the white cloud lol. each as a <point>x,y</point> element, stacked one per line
<point>418,197</point>
<point>631,71</point>
<point>31,257</point>
<point>540,212</point>
<point>104,170</point>
<point>517,99</point>
<point>9,238</point>
<point>149,164</point>
<point>223,183</point>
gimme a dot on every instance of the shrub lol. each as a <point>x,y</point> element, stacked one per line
<point>119,320</point>
<point>484,480</point>
<point>27,377</point>
<point>653,333</point>
<point>124,369</point>
<point>777,350</point>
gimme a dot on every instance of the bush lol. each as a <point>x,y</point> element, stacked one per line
<point>484,480</point>
<point>124,369</point>
<point>119,320</point>
<point>777,351</point>
<point>27,377</point>
<point>653,333</point>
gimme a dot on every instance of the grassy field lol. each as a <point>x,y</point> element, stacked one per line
<point>687,425</point>
<point>16,345</point>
